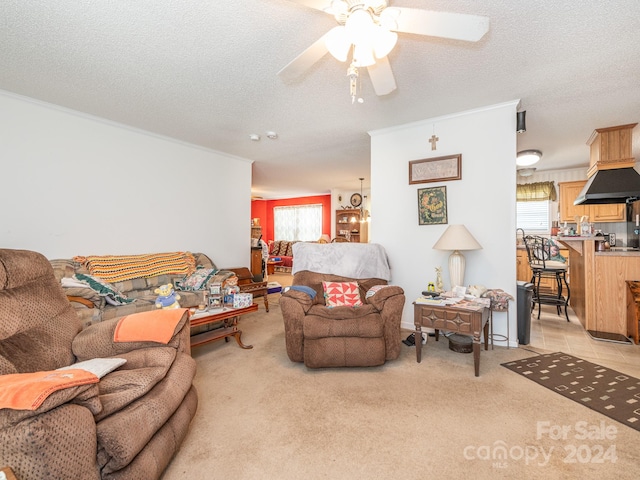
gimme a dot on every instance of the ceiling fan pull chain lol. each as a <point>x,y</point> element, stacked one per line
<point>352,73</point>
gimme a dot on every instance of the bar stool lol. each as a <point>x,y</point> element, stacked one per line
<point>539,253</point>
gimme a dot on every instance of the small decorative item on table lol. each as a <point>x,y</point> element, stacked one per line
<point>229,294</point>
<point>242,300</point>
<point>439,283</point>
<point>215,295</point>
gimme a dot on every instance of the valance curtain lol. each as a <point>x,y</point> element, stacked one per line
<point>535,192</point>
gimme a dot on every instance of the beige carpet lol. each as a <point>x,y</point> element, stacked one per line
<point>262,417</point>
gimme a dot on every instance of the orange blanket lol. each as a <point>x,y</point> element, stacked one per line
<point>152,326</point>
<point>27,391</point>
<point>118,268</point>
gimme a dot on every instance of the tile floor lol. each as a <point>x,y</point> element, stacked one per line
<point>552,332</point>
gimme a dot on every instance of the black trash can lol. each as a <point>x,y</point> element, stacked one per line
<point>524,299</point>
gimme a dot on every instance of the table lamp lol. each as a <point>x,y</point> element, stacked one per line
<point>456,238</point>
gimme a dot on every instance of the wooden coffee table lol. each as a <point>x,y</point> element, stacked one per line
<point>228,317</point>
<point>271,266</point>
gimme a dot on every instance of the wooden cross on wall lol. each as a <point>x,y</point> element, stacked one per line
<point>433,141</point>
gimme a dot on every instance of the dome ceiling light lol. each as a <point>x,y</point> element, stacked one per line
<point>526,158</point>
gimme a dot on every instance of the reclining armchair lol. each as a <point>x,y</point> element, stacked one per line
<point>322,335</point>
<point>128,424</point>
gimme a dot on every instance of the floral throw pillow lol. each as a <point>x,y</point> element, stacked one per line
<point>198,279</point>
<point>337,294</point>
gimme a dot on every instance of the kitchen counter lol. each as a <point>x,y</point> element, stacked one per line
<point>598,284</point>
<point>619,253</point>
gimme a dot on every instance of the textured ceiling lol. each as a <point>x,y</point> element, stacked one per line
<point>204,72</point>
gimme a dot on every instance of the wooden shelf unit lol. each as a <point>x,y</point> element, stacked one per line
<point>348,220</point>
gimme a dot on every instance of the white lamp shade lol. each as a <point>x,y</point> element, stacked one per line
<point>457,237</point>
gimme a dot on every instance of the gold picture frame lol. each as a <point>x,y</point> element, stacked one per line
<point>432,206</point>
<point>439,169</point>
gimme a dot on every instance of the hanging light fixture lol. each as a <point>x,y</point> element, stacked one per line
<point>362,219</point>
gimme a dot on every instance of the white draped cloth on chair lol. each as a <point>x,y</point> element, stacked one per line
<point>353,260</point>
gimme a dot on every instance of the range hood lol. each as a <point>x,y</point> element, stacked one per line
<point>612,178</point>
<point>617,185</point>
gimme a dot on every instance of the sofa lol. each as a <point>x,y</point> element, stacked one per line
<point>137,294</point>
<point>282,250</point>
<point>84,422</point>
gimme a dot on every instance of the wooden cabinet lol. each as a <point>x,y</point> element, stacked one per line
<point>612,212</point>
<point>523,271</point>
<point>256,261</point>
<point>597,213</point>
<point>568,193</point>
<point>349,226</point>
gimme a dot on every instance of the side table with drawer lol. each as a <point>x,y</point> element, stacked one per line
<point>468,320</point>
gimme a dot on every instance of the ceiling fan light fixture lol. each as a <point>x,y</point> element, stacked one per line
<point>360,26</point>
<point>384,41</point>
<point>363,55</point>
<point>337,43</point>
<point>526,158</point>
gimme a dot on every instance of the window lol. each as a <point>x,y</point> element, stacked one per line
<point>533,216</point>
<point>300,222</point>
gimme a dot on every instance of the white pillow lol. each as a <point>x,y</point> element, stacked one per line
<point>98,366</point>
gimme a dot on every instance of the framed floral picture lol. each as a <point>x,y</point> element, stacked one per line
<point>432,206</point>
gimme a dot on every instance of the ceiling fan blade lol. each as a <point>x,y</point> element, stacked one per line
<point>321,5</point>
<point>459,26</point>
<point>305,60</point>
<point>382,76</point>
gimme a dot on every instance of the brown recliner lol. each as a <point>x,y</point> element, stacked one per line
<point>128,425</point>
<point>342,336</point>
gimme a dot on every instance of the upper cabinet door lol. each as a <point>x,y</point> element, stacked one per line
<point>569,191</point>
<point>614,212</point>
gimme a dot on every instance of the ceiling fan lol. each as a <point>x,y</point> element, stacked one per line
<point>370,26</point>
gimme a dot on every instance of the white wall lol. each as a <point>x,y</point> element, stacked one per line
<point>79,185</point>
<point>483,200</point>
